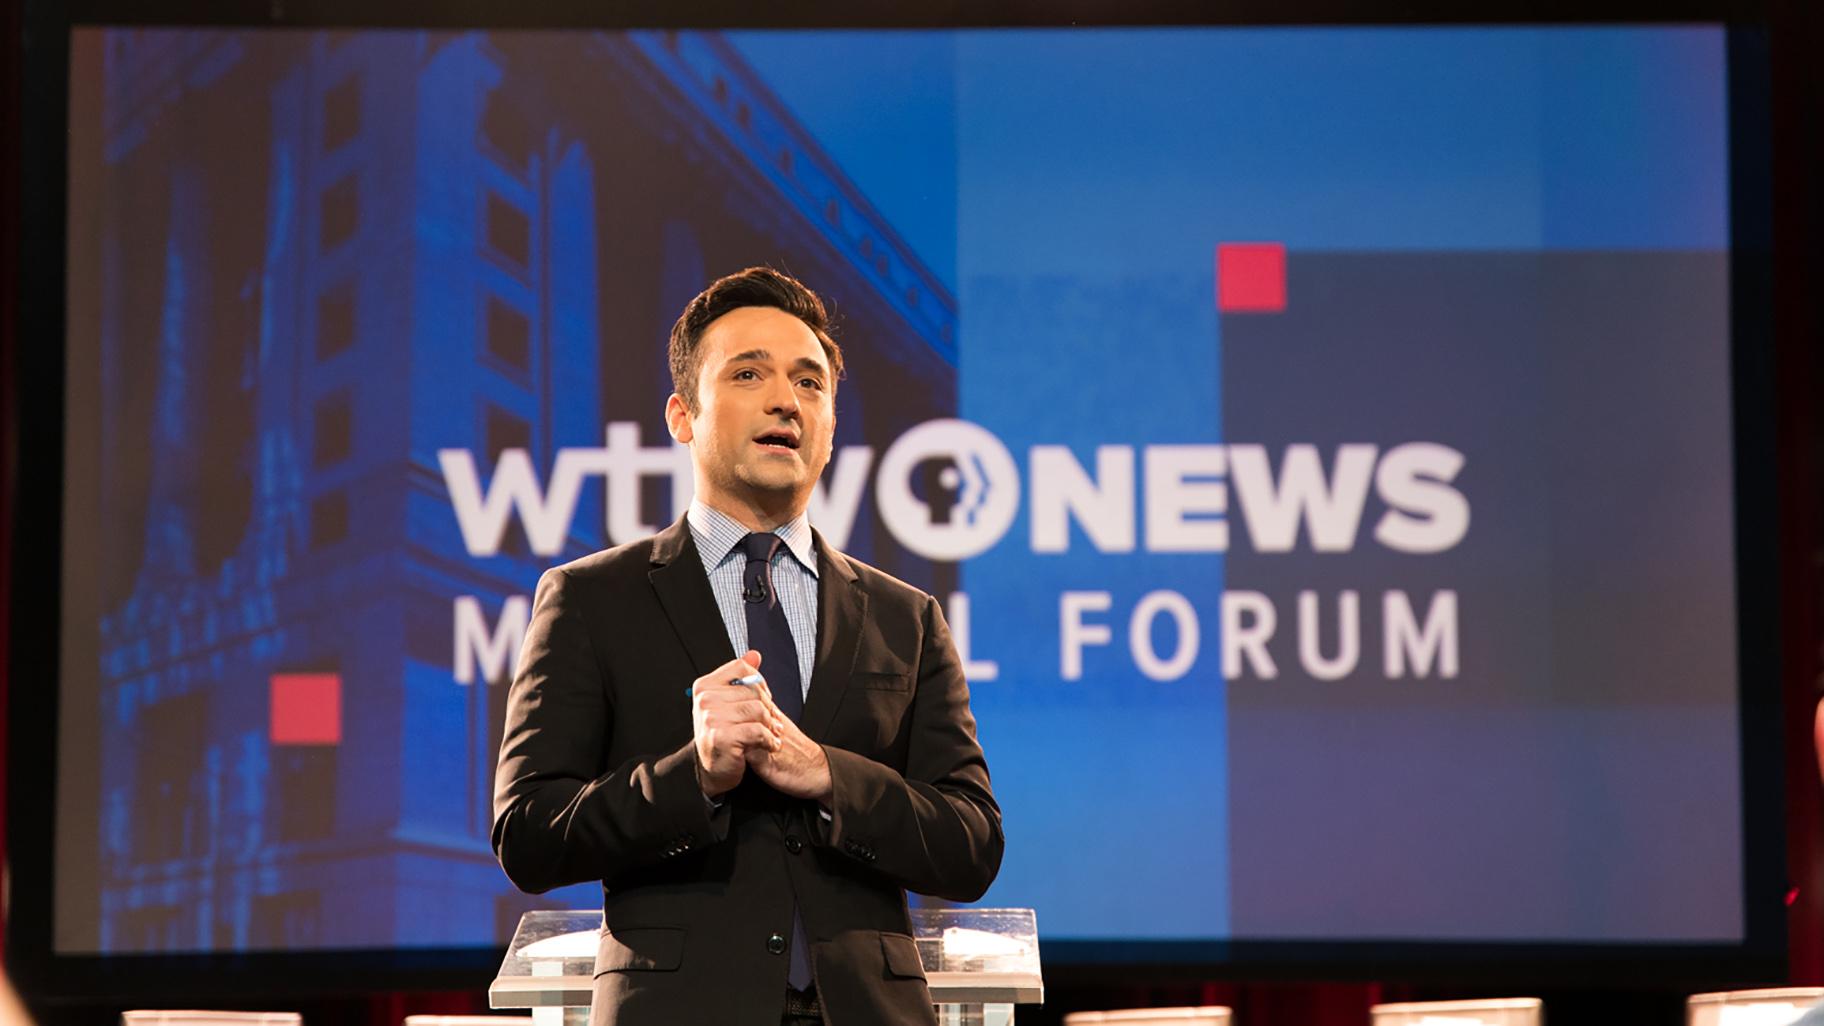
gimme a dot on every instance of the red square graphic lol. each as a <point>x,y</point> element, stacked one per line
<point>306,709</point>
<point>1250,277</point>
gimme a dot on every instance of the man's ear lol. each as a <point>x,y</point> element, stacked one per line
<point>677,419</point>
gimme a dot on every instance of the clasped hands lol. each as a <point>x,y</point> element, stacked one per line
<point>737,727</point>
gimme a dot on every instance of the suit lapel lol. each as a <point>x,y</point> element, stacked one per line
<point>683,589</point>
<point>842,607</point>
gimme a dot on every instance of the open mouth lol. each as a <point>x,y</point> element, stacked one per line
<point>777,441</point>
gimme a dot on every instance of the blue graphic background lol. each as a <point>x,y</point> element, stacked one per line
<point>1018,228</point>
<point>1092,173</point>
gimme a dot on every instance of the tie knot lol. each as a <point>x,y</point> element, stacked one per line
<point>761,547</point>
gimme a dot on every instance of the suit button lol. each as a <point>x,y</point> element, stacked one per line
<point>775,944</point>
<point>794,845</point>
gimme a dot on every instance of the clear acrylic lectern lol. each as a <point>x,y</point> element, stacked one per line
<point>979,963</point>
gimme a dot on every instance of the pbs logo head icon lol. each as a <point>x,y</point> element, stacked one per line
<point>981,483</point>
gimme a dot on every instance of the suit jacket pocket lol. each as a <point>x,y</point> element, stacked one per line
<point>883,680</point>
<point>642,947</point>
<point>901,953</point>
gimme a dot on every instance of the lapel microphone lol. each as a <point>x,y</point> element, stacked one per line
<point>754,590</point>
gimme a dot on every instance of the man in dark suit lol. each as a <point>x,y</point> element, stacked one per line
<point>754,841</point>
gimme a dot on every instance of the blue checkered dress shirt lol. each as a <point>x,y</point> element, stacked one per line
<point>794,574</point>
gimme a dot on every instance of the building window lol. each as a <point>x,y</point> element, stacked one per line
<point>502,431</point>
<point>508,132</point>
<point>333,439</point>
<point>328,520</point>
<point>335,320</point>
<point>168,778</point>
<point>509,335</point>
<point>509,232</point>
<point>301,800</point>
<point>428,635</point>
<point>342,113</point>
<point>339,214</point>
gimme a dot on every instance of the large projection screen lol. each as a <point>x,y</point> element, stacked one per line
<point>1320,441</point>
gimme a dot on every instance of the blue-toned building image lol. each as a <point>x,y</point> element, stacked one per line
<point>321,259</point>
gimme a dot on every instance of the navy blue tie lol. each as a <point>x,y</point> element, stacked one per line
<point>767,630</point>
<point>769,634</point>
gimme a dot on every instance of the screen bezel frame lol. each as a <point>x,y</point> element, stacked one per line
<point>36,530</point>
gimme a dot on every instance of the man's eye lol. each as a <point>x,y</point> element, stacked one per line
<point>745,373</point>
<point>812,382</point>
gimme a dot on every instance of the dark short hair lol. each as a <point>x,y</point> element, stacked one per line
<point>755,286</point>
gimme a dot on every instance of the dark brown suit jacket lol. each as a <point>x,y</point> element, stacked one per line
<point>597,781</point>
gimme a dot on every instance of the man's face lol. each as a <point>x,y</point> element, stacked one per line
<point>765,417</point>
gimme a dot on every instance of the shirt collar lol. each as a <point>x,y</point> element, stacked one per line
<point>717,534</point>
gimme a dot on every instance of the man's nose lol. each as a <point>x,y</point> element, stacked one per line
<point>780,397</point>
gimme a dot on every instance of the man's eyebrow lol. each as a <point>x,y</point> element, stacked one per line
<point>761,356</point>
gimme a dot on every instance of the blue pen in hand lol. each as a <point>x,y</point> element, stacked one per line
<point>752,680</point>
